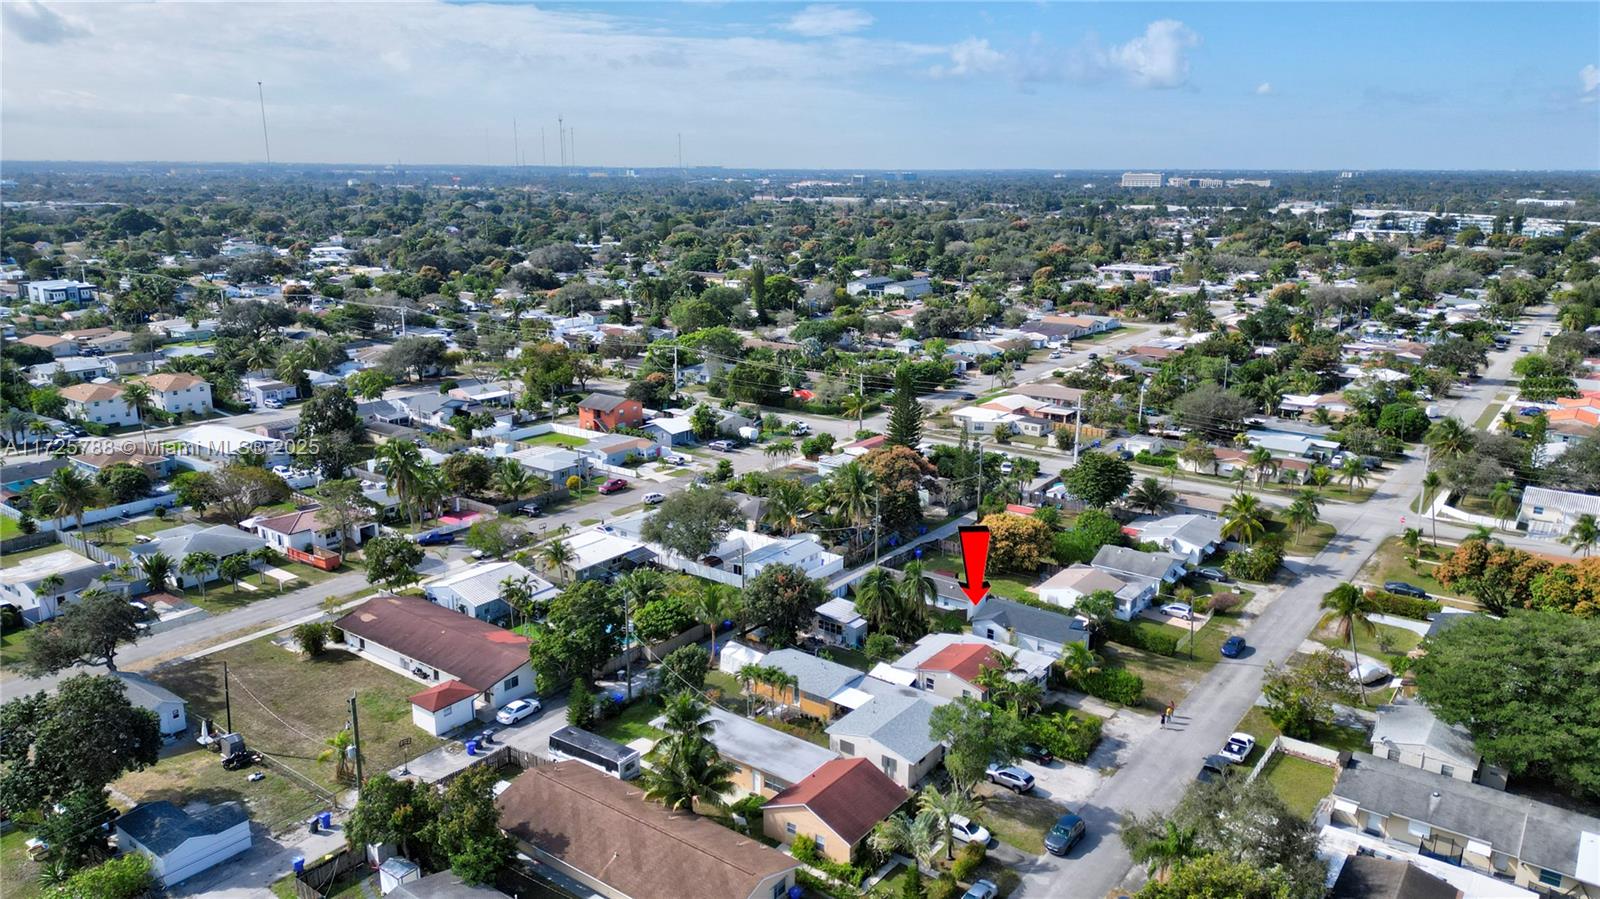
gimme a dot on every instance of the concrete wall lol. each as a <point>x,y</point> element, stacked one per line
<point>907,773</point>
<point>775,823</point>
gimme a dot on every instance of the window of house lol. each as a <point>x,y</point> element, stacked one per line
<point>1447,770</point>
<point>822,841</point>
<point>511,682</point>
<point>789,828</point>
<point>176,712</point>
<point>847,748</point>
<point>780,889</point>
<point>889,766</point>
<point>1394,755</point>
<point>1549,878</point>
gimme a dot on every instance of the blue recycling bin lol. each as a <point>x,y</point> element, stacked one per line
<point>472,747</point>
<point>299,864</point>
<point>326,820</point>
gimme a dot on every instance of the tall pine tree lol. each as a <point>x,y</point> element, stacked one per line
<point>905,417</point>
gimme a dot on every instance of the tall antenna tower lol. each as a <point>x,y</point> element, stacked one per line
<point>561,136</point>
<point>262,97</point>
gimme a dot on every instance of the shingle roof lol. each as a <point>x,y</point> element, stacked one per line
<point>88,393</point>
<point>897,718</point>
<point>1122,559</point>
<point>818,677</point>
<point>1537,833</point>
<point>770,751</point>
<point>167,381</point>
<point>162,827</point>
<point>219,540</point>
<point>602,402</point>
<point>1033,622</point>
<point>1369,877</point>
<point>446,694</point>
<point>295,522</point>
<point>1411,723</point>
<point>605,828</point>
<point>964,660</point>
<point>850,796</point>
<point>475,652</point>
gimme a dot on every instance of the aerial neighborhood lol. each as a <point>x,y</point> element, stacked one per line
<point>422,533</point>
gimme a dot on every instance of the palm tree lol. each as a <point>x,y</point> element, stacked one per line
<point>1347,609</point>
<point>1261,462</point>
<point>714,604</point>
<point>1430,486</point>
<point>1244,518</point>
<point>157,569</point>
<point>1503,503</point>
<point>197,565</point>
<point>72,491</point>
<point>40,429</point>
<point>853,494</point>
<point>263,557</point>
<point>1079,661</point>
<point>51,584</point>
<point>782,450</point>
<point>1319,476</point>
<point>1482,534</point>
<point>1303,511</point>
<point>556,556</point>
<point>787,505</point>
<point>235,566</point>
<point>857,405</point>
<point>1584,535</point>
<point>139,398</point>
<point>401,462</point>
<point>511,480</point>
<point>517,592</point>
<point>1162,850</point>
<point>1353,471</point>
<point>340,749</point>
<point>636,589</point>
<point>917,591</point>
<point>946,806</point>
<point>690,775</point>
<point>1149,496</point>
<point>432,490</point>
<point>1199,454</point>
<point>1449,438</point>
<point>917,837</point>
<point>877,598</point>
<point>16,424</point>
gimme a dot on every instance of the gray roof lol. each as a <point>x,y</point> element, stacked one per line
<point>1123,560</point>
<point>603,402</point>
<point>144,692</point>
<point>1534,832</point>
<point>787,758</point>
<point>898,718</point>
<point>1055,627</point>
<point>162,827</point>
<point>219,540</point>
<point>1368,877</point>
<point>444,885</point>
<point>1565,501</point>
<point>1412,724</point>
<point>818,677</point>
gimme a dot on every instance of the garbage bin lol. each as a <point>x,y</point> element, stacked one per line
<point>299,864</point>
<point>326,820</point>
<point>313,825</point>
<point>472,747</point>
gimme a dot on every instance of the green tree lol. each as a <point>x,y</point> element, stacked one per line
<point>1213,876</point>
<point>1302,512</point>
<point>157,571</point>
<point>555,556</point>
<point>688,772</point>
<point>466,831</point>
<point>1347,609</point>
<point>917,837</point>
<point>582,629</point>
<point>1583,537</point>
<point>43,754</point>
<point>1151,497</point>
<point>87,632</point>
<point>72,492</point>
<point>782,599</point>
<point>1300,697</point>
<point>976,734</point>
<point>392,562</point>
<point>1098,479</point>
<point>330,430</point>
<point>684,668</point>
<point>1244,518</point>
<point>946,806</point>
<point>1449,438</point>
<point>469,472</point>
<point>200,566</point>
<point>312,637</point>
<point>396,812</point>
<point>714,604</point>
<point>905,416</point>
<point>692,522</point>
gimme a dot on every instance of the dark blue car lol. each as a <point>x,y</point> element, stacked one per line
<point>436,538</point>
<point>1233,647</point>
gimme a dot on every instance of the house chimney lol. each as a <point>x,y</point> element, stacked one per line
<point>1433,802</point>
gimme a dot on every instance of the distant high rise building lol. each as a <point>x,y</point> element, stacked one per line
<point>1141,179</point>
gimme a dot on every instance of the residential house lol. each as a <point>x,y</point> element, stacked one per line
<point>100,404</point>
<point>1370,877</point>
<point>837,805</point>
<point>768,761</point>
<point>123,364</point>
<point>1307,404</point>
<point>553,463</point>
<point>891,729</point>
<point>872,286</point>
<point>732,424</point>
<point>434,644</point>
<point>75,368</point>
<point>61,290</point>
<point>174,393</point>
<point>1133,592</point>
<point>445,884</point>
<point>1408,812</point>
<point>605,412</point>
<point>477,590</point>
<point>444,707</point>
<point>671,431</point>
<point>181,330</point>
<point>312,533</point>
<point>954,670</point>
<point>912,289</point>
<point>1123,562</point>
<point>616,449</point>
<point>742,555</point>
<point>1133,271</point>
<point>1188,537</point>
<point>169,708</point>
<point>181,844</point>
<point>1552,513</point>
<point>1293,445</point>
<point>822,689</point>
<point>1027,627</point>
<point>110,341</point>
<point>56,345</point>
<point>155,460</point>
<point>180,542</point>
<point>602,832</point>
<point>23,582</point>
<point>260,392</point>
<point>601,554</point>
<point>223,443</point>
<point>1409,733</point>
<point>839,624</point>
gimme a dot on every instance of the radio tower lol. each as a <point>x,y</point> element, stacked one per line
<point>262,97</point>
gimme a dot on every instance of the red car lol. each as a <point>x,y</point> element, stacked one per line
<point>613,485</point>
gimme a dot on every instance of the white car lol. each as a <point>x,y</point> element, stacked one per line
<point>516,710</point>
<point>968,831</point>
<point>1238,747</point>
<point>1180,610</point>
<point>652,499</point>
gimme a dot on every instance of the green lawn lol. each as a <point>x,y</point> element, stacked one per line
<point>20,875</point>
<point>221,596</point>
<point>1399,641</point>
<point>1166,679</point>
<point>554,439</point>
<point>9,528</point>
<point>845,656</point>
<point>893,885</point>
<point>633,723</point>
<point>1308,543</point>
<point>1388,563</point>
<point>13,647</point>
<point>1299,783</point>
<point>1003,585</point>
<point>1256,723</point>
<point>728,692</point>
<point>1019,821</point>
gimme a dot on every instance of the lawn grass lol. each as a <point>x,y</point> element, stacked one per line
<point>21,875</point>
<point>1166,679</point>
<point>189,772</point>
<point>555,439</point>
<point>1401,641</point>
<point>1388,563</point>
<point>854,658</point>
<point>13,648</point>
<point>893,885</point>
<point>10,559</point>
<point>1256,723</point>
<point>9,528</point>
<point>633,723</point>
<point>1002,585</point>
<point>728,692</point>
<point>1301,784</point>
<point>1019,821</point>
<point>288,706</point>
<point>1308,543</point>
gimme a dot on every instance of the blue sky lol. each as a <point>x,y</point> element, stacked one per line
<point>903,85</point>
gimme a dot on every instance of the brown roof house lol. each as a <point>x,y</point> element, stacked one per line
<point>837,805</point>
<point>602,832</point>
<point>434,645</point>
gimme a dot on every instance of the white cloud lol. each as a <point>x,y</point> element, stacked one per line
<point>1589,77</point>
<point>972,56</point>
<point>1264,88</point>
<point>1156,58</point>
<point>825,20</point>
<point>36,23</point>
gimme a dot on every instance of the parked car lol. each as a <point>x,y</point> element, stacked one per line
<point>1064,834</point>
<point>982,889</point>
<point>967,830</point>
<point>1212,574</point>
<point>722,446</point>
<point>799,427</point>
<point>964,395</point>
<point>1179,610</point>
<point>436,538</point>
<point>1213,768</point>
<point>532,510</point>
<point>273,404</point>
<point>677,458</point>
<point>1055,354</point>
<point>1405,589</point>
<point>1238,747</point>
<point>1524,349</point>
<point>613,485</point>
<point>1233,647</point>
<point>1038,754</point>
<point>516,710</point>
<point>1011,777</point>
<point>651,499</point>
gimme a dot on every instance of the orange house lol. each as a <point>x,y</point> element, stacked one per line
<point>604,412</point>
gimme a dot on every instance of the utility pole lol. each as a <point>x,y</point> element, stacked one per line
<point>355,733</point>
<point>877,528</point>
<point>675,382</point>
<point>1077,430</point>
<point>978,442</point>
<point>544,160</point>
<point>262,97</point>
<point>627,650</point>
<point>1143,386</point>
<point>561,139</point>
<point>227,700</point>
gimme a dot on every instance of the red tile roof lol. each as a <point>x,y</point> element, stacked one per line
<point>446,694</point>
<point>849,795</point>
<point>964,660</point>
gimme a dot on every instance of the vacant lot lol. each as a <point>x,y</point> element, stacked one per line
<point>1389,564</point>
<point>289,706</point>
<point>554,439</point>
<point>1299,783</point>
<point>1019,821</point>
<point>1256,723</point>
<point>21,877</point>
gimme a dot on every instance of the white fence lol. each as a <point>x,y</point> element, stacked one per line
<point>98,516</point>
<point>1311,752</point>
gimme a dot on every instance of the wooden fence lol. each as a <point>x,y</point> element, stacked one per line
<point>316,880</point>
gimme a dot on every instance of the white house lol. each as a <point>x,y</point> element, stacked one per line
<point>1189,537</point>
<point>223,442</point>
<point>309,528</point>
<point>99,403</point>
<point>443,708</point>
<point>674,431</point>
<point>23,582</point>
<point>182,844</point>
<point>1552,513</point>
<point>742,554</point>
<point>177,392</point>
<point>60,291</point>
<point>1067,586</point>
<point>615,449</point>
<point>262,391</point>
<point>178,543</point>
<point>553,463</point>
<point>169,707</point>
<point>838,622</point>
<point>476,590</point>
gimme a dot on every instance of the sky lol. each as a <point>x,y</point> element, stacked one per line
<point>1442,85</point>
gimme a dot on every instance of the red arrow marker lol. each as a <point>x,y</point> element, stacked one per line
<point>975,554</point>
